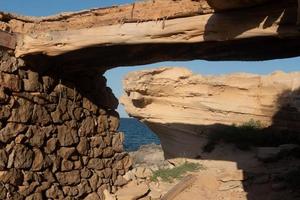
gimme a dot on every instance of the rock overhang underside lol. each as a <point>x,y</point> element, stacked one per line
<point>154,31</point>
<point>79,150</point>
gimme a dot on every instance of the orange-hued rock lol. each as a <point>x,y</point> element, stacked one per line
<point>152,31</point>
<point>183,108</point>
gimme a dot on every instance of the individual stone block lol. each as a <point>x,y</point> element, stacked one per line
<point>95,163</point>
<point>67,136</point>
<point>51,145</point>
<point>66,152</point>
<point>94,181</point>
<point>22,111</point>
<point>68,178</point>
<point>23,157</point>
<point>97,152</point>
<point>133,191</point>
<point>38,160</point>
<point>11,82</point>
<point>66,165</point>
<point>83,146</point>
<point>32,83</point>
<point>103,124</point>
<point>87,127</point>
<point>107,152</point>
<point>114,120</point>
<point>41,116</point>
<point>117,142</point>
<point>38,136</point>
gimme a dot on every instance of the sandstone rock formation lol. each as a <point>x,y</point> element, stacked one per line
<point>58,125</point>
<point>183,108</point>
<point>58,133</point>
<point>150,31</point>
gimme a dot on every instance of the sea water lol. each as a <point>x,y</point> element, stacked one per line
<point>136,134</point>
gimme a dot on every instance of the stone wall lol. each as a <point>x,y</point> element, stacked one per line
<point>58,133</point>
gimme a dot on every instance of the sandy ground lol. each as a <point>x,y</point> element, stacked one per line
<point>226,173</point>
<point>232,174</point>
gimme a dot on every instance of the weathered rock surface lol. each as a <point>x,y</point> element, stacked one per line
<point>150,154</point>
<point>144,28</point>
<point>183,108</point>
<point>132,191</point>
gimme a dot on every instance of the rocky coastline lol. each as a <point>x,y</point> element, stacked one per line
<point>186,109</point>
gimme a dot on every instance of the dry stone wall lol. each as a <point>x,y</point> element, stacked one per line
<point>58,133</point>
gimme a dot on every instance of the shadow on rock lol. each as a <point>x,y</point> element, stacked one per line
<point>268,156</point>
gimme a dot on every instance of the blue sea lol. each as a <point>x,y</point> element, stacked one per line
<point>136,134</point>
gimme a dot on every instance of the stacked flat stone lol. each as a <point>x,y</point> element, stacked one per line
<point>58,133</point>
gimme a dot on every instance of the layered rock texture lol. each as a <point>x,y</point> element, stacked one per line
<point>58,125</point>
<point>150,31</point>
<point>184,108</point>
<point>58,133</point>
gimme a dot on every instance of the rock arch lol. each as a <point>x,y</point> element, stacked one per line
<point>58,125</point>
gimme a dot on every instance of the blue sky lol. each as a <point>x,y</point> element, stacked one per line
<point>114,76</point>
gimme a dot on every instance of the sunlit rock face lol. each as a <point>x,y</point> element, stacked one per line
<point>183,108</point>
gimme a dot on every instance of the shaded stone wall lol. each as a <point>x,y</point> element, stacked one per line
<point>58,133</point>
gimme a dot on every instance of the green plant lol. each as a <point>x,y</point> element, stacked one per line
<point>251,124</point>
<point>168,175</point>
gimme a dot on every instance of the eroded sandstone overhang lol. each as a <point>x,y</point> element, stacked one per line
<point>159,30</point>
<point>185,109</point>
<point>176,95</point>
